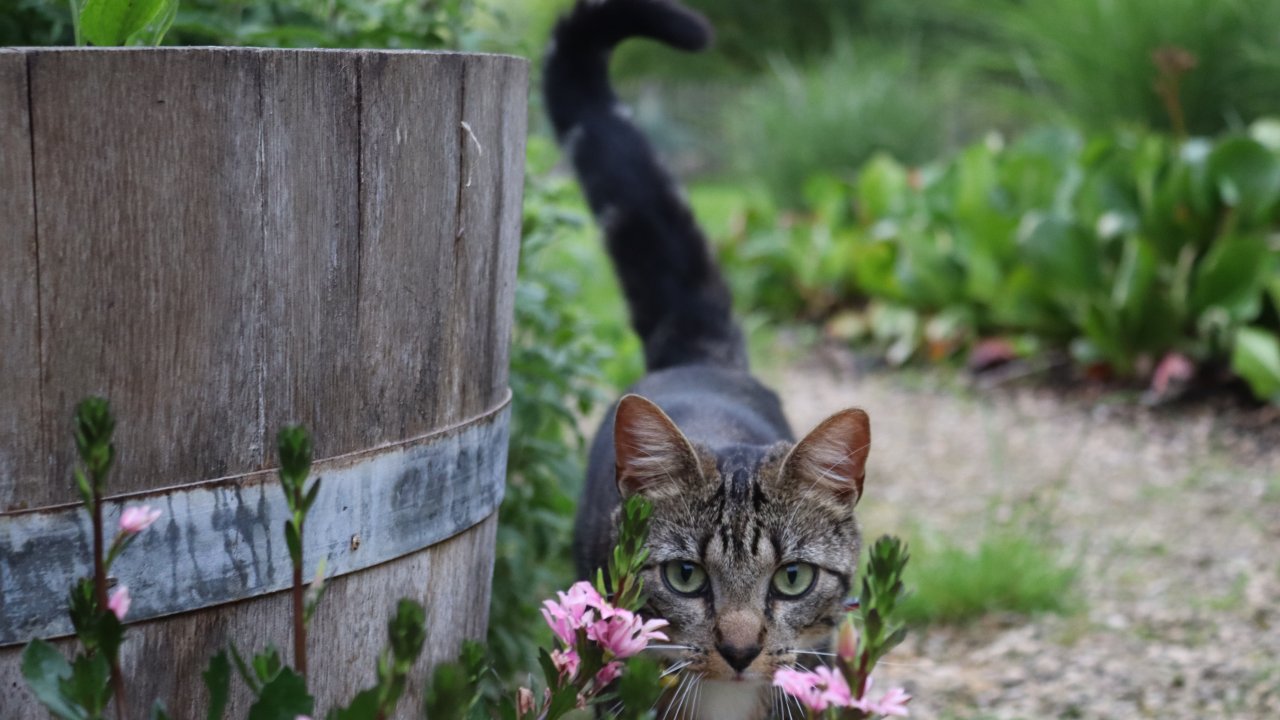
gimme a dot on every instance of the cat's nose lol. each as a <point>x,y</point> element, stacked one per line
<point>739,657</point>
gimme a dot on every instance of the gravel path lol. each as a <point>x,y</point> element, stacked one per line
<point>1174,516</point>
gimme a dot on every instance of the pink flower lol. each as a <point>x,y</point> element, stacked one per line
<point>575,610</point>
<point>609,673</point>
<point>1175,369</point>
<point>566,662</point>
<point>835,690</point>
<point>816,690</point>
<point>303,717</point>
<point>624,633</point>
<point>894,702</point>
<point>137,518</point>
<point>118,602</point>
<point>802,686</point>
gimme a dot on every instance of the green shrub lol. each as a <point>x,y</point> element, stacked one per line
<point>555,377</point>
<point>35,22</point>
<point>1123,246</point>
<point>1094,59</point>
<point>335,24</point>
<point>834,115</point>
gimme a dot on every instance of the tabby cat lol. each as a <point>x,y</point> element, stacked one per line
<point>753,540</point>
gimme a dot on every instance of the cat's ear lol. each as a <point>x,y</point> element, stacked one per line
<point>653,457</point>
<point>833,458</point>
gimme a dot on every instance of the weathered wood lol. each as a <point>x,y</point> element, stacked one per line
<point>311,200</point>
<point>148,175</point>
<point>21,450</point>
<point>409,173</point>
<point>226,240</point>
<point>483,277</point>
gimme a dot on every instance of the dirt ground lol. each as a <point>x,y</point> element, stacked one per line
<point>1173,515</point>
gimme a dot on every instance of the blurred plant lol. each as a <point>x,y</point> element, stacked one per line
<point>80,690</point>
<point>833,115</point>
<point>394,24</point>
<point>1094,59</point>
<point>35,22</point>
<point>1125,247</point>
<point>556,356</point>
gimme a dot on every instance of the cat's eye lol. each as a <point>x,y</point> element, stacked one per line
<point>794,579</point>
<point>684,577</point>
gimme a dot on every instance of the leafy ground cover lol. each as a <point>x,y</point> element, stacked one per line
<point>1121,248</point>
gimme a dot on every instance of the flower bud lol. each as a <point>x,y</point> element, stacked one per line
<point>524,702</point>
<point>137,518</point>
<point>847,640</point>
<point>118,602</point>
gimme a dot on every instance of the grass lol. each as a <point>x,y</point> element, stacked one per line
<point>1009,571</point>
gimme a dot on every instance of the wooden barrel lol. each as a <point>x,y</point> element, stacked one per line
<point>223,241</point>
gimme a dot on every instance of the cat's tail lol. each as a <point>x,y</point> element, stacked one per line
<point>680,305</point>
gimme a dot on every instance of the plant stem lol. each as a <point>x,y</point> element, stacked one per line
<point>299,619</point>
<point>100,592</point>
<point>75,21</point>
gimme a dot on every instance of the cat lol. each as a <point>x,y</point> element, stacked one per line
<point>753,538</point>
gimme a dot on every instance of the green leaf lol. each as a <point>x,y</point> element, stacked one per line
<point>1231,275</point>
<point>267,665</point>
<point>882,185</point>
<point>562,701</point>
<point>293,444</point>
<point>283,698</point>
<point>90,683</point>
<point>86,490</point>
<point>158,711</point>
<point>1065,255</point>
<point>245,673</point>
<point>639,687</point>
<point>310,499</point>
<point>44,669</point>
<point>1256,358</point>
<point>217,678</point>
<point>111,22</point>
<point>364,706</point>
<point>1247,176</point>
<point>407,630</point>
<point>451,692</point>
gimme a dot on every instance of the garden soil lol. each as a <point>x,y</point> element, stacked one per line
<point>1173,516</point>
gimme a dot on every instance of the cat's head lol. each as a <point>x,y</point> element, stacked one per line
<point>752,550</point>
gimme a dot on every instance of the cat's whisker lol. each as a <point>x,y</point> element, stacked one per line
<point>697,697</point>
<point>794,703</point>
<point>669,647</point>
<point>819,653</point>
<point>673,707</point>
<point>676,668</point>
<point>689,691</point>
